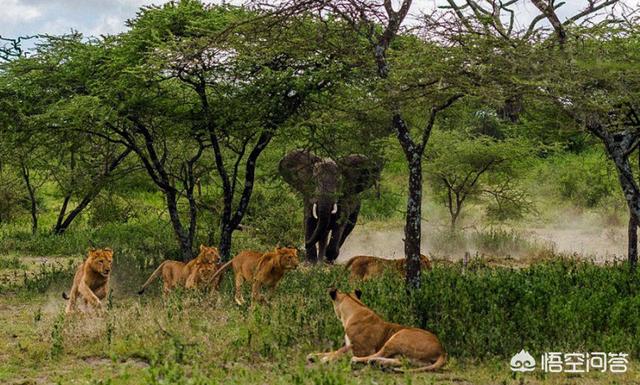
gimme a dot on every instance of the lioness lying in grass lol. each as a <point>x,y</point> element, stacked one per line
<point>364,267</point>
<point>374,340</point>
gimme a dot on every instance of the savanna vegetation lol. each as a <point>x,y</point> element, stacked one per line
<point>486,130</point>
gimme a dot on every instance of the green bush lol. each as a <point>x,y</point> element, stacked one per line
<point>479,312</point>
<point>496,241</point>
<point>109,208</point>
<point>587,179</point>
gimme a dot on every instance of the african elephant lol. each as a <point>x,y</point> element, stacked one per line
<point>330,191</point>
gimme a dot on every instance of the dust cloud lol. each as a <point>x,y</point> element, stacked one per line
<point>581,236</point>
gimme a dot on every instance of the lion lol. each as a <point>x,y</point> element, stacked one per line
<point>201,275</point>
<point>176,273</point>
<point>373,340</point>
<point>260,268</point>
<point>91,280</point>
<point>364,267</point>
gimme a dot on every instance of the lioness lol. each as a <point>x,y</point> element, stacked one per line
<point>364,267</point>
<point>176,273</point>
<point>91,280</point>
<point>260,268</point>
<point>374,340</point>
<point>201,275</point>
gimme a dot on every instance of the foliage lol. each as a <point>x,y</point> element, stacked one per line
<point>588,180</point>
<point>465,169</point>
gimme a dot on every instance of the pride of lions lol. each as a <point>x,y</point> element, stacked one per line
<point>370,339</point>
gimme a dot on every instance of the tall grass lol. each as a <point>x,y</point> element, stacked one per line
<point>478,311</point>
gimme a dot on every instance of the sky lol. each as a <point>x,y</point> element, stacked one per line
<point>97,17</point>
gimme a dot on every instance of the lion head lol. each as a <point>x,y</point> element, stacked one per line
<point>425,263</point>
<point>100,260</point>
<point>339,297</point>
<point>287,257</point>
<point>206,270</point>
<point>208,254</point>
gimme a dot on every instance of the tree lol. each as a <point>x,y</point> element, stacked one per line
<point>416,79</point>
<point>464,168</point>
<point>150,118</point>
<point>594,80</point>
<point>45,124</point>
<point>246,78</point>
<point>586,67</point>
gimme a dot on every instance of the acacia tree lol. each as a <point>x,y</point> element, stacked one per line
<point>416,79</point>
<point>45,128</point>
<point>603,96</point>
<point>569,62</point>
<point>462,168</point>
<point>150,118</point>
<point>245,78</point>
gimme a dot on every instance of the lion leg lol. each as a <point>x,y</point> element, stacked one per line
<point>102,292</point>
<point>239,281</point>
<point>385,361</point>
<point>400,344</point>
<point>166,288</point>
<point>73,296</point>
<point>191,282</point>
<point>88,295</point>
<point>388,350</point>
<point>330,356</point>
<point>255,291</point>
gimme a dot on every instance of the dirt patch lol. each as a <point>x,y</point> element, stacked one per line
<point>102,361</point>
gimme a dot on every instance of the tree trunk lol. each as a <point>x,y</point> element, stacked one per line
<point>61,214</point>
<point>454,218</point>
<point>186,245</point>
<point>619,146</point>
<point>633,241</point>
<point>32,199</point>
<point>231,219</point>
<point>63,225</point>
<point>226,235</point>
<point>413,226</point>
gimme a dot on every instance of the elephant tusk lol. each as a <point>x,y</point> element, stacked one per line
<point>315,214</point>
<point>335,208</point>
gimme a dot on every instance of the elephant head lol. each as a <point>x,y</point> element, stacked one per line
<point>330,190</point>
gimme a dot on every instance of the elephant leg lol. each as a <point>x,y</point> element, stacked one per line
<point>309,226</point>
<point>322,248</point>
<point>350,225</point>
<point>333,250</point>
<point>341,232</point>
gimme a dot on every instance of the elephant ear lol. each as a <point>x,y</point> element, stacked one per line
<point>359,173</point>
<point>297,170</point>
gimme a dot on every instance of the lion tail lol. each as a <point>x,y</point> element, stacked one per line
<point>152,277</point>
<point>64,295</point>
<point>221,270</point>
<point>429,368</point>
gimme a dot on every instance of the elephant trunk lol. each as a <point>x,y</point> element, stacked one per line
<point>322,212</point>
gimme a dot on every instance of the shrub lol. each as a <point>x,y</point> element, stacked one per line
<point>587,179</point>
<point>482,312</point>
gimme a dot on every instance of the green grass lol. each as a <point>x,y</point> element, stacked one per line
<point>483,315</point>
